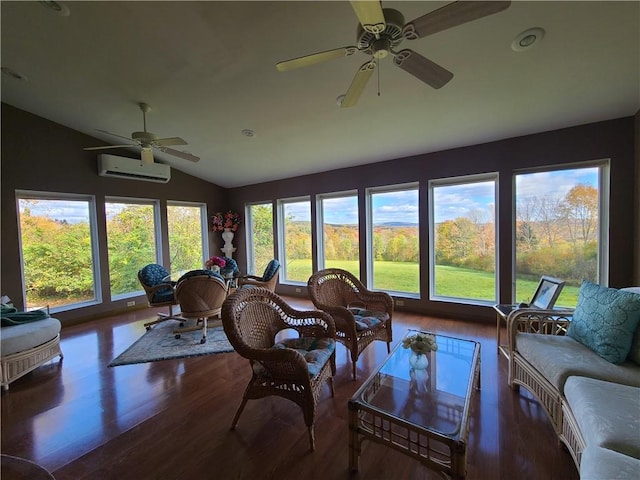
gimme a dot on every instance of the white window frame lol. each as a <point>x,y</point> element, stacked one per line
<point>282,247</point>
<point>95,255</point>
<point>369,192</point>
<point>604,188</point>
<point>158,235</point>
<point>320,221</point>
<point>250,247</point>
<point>454,181</point>
<point>204,223</point>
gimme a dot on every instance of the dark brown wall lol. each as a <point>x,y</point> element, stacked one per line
<point>610,139</point>
<point>40,155</point>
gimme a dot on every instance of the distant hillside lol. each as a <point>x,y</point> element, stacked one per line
<point>396,224</point>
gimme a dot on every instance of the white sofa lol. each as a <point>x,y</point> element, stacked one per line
<point>593,403</point>
<point>25,347</point>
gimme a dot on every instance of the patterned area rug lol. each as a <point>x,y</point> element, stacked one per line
<point>159,343</point>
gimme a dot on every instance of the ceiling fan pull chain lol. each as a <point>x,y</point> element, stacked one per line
<point>378,69</point>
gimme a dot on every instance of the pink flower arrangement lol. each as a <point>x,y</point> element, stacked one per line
<point>219,261</point>
<point>220,221</point>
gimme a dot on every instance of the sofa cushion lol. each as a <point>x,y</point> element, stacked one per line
<point>634,353</point>
<point>605,320</point>
<point>600,463</point>
<point>557,357</point>
<point>608,414</point>
<point>19,338</point>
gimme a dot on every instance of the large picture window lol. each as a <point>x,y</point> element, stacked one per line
<point>132,242</point>
<point>393,242</point>
<point>338,228</point>
<point>560,217</point>
<point>463,238</point>
<point>294,220</point>
<point>57,246</point>
<point>188,245</point>
<point>260,245</point>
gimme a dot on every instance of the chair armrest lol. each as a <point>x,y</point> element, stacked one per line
<point>310,323</point>
<point>378,301</point>
<point>533,320</point>
<point>249,280</point>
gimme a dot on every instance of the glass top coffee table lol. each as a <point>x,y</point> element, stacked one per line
<point>422,412</point>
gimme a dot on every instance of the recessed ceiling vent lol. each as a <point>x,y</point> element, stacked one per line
<point>132,169</point>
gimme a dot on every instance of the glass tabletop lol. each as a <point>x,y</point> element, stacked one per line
<point>434,398</point>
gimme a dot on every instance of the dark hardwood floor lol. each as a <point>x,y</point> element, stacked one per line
<point>170,419</point>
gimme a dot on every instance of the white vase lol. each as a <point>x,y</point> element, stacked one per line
<point>419,361</point>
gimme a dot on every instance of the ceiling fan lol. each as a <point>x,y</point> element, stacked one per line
<point>381,30</point>
<point>148,141</point>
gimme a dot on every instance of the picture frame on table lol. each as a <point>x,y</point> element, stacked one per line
<point>547,292</point>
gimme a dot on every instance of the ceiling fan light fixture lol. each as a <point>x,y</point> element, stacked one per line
<point>527,39</point>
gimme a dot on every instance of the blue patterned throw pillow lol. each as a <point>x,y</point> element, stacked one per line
<point>605,320</point>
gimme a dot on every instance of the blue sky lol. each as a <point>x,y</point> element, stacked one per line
<point>399,206</point>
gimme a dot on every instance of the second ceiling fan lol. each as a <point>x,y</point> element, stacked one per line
<point>382,30</point>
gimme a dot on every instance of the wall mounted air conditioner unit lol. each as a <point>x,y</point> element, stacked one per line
<point>134,169</point>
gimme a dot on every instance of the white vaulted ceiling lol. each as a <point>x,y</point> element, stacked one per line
<point>208,71</point>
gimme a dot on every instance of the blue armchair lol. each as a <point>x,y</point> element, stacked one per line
<point>160,291</point>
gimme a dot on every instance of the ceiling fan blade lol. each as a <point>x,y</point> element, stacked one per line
<point>450,15</point>
<point>109,146</point>
<point>370,16</point>
<point>315,58</point>
<point>114,134</point>
<point>176,153</point>
<point>423,69</point>
<point>167,142</point>
<point>357,84</point>
<point>146,154</point>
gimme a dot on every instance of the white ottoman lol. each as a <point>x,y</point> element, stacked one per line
<point>25,347</point>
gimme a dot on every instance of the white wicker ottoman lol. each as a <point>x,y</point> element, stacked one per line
<point>25,347</point>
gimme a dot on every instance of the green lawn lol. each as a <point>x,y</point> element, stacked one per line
<point>451,281</point>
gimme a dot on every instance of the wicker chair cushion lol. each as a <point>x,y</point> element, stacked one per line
<point>366,319</point>
<point>196,273</point>
<point>603,414</point>
<point>557,357</point>
<point>316,352</point>
<point>230,267</point>
<point>153,274</point>
<point>271,270</point>
<point>162,296</point>
<point>598,463</point>
<point>605,320</point>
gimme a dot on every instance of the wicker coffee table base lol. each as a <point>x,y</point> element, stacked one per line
<point>444,455</point>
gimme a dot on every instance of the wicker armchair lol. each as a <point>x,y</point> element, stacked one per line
<point>361,315</point>
<point>268,280</point>
<point>160,291</point>
<point>292,368</point>
<point>200,294</point>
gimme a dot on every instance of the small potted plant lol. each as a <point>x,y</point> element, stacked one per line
<point>420,344</point>
<point>215,264</point>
